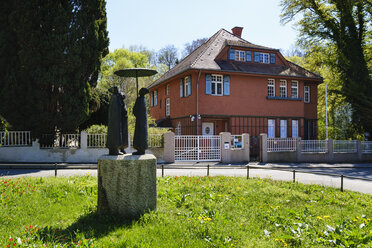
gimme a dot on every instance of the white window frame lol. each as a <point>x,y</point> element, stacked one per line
<point>294,89</point>
<point>155,98</point>
<point>283,88</point>
<point>167,107</point>
<point>271,128</point>
<point>167,89</point>
<point>186,87</point>
<point>307,94</point>
<point>239,55</point>
<point>178,129</point>
<point>216,80</point>
<point>283,128</point>
<point>271,87</point>
<point>294,128</point>
<point>264,58</point>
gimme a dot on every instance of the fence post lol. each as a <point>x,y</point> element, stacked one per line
<point>208,171</point>
<point>84,140</point>
<point>359,150</point>
<point>55,169</point>
<point>298,149</point>
<point>169,147</point>
<point>294,176</point>
<point>263,146</point>
<point>225,151</point>
<point>246,146</point>
<point>330,151</point>
<point>162,170</point>
<point>248,171</point>
<point>342,183</point>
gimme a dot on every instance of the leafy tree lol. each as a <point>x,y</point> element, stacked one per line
<point>340,126</point>
<point>190,47</point>
<point>151,55</point>
<point>168,56</point>
<point>345,25</point>
<point>122,59</point>
<point>119,59</point>
<point>50,56</point>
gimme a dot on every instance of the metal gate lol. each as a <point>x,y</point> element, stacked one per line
<point>197,148</point>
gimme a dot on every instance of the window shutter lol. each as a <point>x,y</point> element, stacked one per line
<point>208,84</point>
<point>189,86</point>
<point>249,56</point>
<point>256,57</point>
<point>232,54</point>
<point>272,58</point>
<point>226,85</point>
<point>181,88</point>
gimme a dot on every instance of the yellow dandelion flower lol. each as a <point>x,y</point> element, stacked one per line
<point>199,218</point>
<point>319,217</point>
<point>326,216</point>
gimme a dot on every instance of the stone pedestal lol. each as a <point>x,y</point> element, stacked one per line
<point>126,185</point>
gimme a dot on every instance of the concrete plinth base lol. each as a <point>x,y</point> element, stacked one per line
<point>126,185</point>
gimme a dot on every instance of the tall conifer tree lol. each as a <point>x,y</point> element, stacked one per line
<point>50,56</point>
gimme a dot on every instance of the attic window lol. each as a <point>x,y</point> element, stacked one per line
<point>239,55</point>
<point>264,58</point>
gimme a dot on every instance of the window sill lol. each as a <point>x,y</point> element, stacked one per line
<point>283,98</point>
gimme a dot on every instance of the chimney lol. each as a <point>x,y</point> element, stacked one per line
<point>237,31</point>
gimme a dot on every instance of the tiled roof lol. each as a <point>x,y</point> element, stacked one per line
<point>204,58</point>
<point>247,45</point>
<point>274,70</point>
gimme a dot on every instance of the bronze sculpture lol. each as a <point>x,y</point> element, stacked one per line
<point>117,131</point>
<point>140,139</point>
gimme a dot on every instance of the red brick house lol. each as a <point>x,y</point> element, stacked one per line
<point>229,84</point>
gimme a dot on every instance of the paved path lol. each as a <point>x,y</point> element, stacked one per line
<point>266,171</point>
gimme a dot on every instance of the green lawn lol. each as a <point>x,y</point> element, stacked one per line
<point>192,212</point>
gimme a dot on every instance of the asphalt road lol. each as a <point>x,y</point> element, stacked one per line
<point>334,180</point>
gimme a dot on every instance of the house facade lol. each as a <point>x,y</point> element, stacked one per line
<point>231,85</point>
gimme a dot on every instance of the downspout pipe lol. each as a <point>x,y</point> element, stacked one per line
<point>197,103</point>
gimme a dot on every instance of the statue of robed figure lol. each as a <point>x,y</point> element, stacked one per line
<point>140,139</point>
<point>117,131</point>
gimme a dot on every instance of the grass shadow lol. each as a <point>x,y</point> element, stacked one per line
<point>88,227</point>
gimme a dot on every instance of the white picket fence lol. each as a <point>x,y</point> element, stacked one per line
<point>317,146</point>
<point>61,141</point>
<point>314,146</point>
<point>366,146</point>
<point>345,146</point>
<point>281,144</point>
<point>15,138</point>
<point>97,140</point>
<point>23,138</point>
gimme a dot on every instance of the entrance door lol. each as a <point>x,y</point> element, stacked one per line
<point>208,128</point>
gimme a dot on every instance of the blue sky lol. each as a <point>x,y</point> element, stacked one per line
<point>157,23</point>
